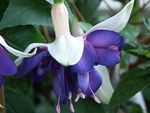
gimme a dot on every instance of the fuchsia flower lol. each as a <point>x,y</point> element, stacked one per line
<point>72,59</point>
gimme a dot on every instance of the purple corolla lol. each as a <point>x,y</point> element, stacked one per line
<point>7,67</point>
<point>72,59</point>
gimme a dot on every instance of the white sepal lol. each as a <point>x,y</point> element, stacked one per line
<point>14,51</point>
<point>1,106</point>
<point>28,49</point>
<point>117,22</point>
<point>139,99</point>
<point>67,50</point>
<point>104,93</point>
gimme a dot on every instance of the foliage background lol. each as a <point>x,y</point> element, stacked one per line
<point>26,21</point>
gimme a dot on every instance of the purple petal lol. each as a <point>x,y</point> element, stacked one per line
<point>90,49</point>
<point>29,64</point>
<point>59,85</point>
<point>107,57</point>
<point>34,77</point>
<point>105,38</point>
<point>70,80</point>
<point>95,82</point>
<point>85,64</point>
<point>7,66</point>
<point>1,80</point>
<point>83,81</point>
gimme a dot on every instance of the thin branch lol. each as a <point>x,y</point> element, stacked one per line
<point>141,9</point>
<point>109,7</point>
<point>46,33</point>
<point>76,10</point>
<point>2,100</point>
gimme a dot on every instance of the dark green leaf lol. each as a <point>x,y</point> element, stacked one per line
<point>144,65</point>
<point>88,8</point>
<point>20,37</point>
<point>21,86</point>
<point>136,109</point>
<point>131,83</point>
<point>26,12</point>
<point>85,26</point>
<point>137,50</point>
<point>147,22</point>
<point>130,33</point>
<point>3,6</point>
<point>88,106</point>
<point>17,103</point>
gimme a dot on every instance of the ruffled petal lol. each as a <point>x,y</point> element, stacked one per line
<point>107,57</point>
<point>95,82</point>
<point>29,64</point>
<point>105,38</point>
<point>67,50</point>
<point>7,66</point>
<point>86,62</point>
<point>83,81</point>
<point>117,22</point>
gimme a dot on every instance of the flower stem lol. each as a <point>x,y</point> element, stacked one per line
<point>2,100</point>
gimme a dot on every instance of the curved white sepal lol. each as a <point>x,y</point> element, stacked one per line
<point>14,51</point>
<point>117,22</point>
<point>139,99</point>
<point>104,93</point>
<point>67,50</point>
<point>1,106</point>
<point>28,49</point>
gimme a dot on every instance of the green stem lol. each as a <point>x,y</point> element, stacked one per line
<point>58,1</point>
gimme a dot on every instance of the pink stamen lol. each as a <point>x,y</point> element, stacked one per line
<point>96,99</point>
<point>94,96</point>
<point>80,94</point>
<point>71,105</point>
<point>58,108</point>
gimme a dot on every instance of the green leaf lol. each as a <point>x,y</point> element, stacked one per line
<point>3,6</point>
<point>88,8</point>
<point>147,22</point>
<point>138,50</point>
<point>130,33</point>
<point>21,86</point>
<point>144,65</point>
<point>131,83</point>
<point>136,109</point>
<point>26,12</point>
<point>88,106</point>
<point>85,26</point>
<point>17,103</point>
<point>21,36</point>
